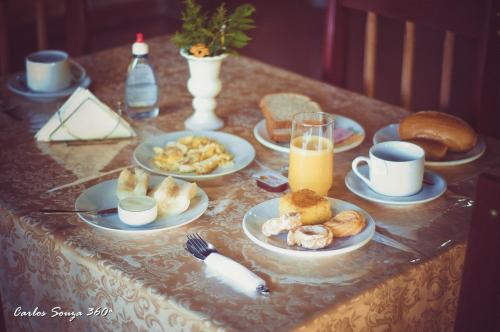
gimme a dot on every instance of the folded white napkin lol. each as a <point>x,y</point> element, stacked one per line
<point>84,117</point>
<point>234,272</point>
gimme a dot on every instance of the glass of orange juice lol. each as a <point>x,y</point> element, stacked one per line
<point>311,152</point>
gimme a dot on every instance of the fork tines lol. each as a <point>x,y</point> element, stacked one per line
<point>197,246</point>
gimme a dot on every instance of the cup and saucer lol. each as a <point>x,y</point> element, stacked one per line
<point>394,174</point>
<point>50,74</point>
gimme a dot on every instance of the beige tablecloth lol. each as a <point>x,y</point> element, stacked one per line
<point>130,282</point>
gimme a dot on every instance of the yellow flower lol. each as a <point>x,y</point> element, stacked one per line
<point>199,50</point>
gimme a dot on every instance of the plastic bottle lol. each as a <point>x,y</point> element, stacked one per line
<point>141,88</point>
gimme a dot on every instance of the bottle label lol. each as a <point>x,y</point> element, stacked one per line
<point>141,87</point>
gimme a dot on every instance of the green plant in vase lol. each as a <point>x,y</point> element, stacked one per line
<point>221,33</point>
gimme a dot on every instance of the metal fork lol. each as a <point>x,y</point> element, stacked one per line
<point>201,249</point>
<point>198,247</point>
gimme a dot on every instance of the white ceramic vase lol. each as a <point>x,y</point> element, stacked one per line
<point>204,84</point>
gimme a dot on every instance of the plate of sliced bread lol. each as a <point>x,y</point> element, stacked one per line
<point>278,109</point>
<point>446,139</point>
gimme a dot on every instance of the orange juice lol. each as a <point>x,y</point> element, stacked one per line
<point>311,164</point>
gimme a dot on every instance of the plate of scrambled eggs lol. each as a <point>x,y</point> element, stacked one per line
<point>194,155</point>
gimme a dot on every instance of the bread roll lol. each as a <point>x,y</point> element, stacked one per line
<point>434,150</point>
<point>453,132</point>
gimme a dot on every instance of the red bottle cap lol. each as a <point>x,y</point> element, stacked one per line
<point>139,38</point>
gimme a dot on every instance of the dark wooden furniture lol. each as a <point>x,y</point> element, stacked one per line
<point>4,53</point>
<point>97,25</point>
<point>479,301</point>
<point>40,28</point>
<point>469,18</point>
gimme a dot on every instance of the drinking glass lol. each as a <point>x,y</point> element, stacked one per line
<point>311,152</point>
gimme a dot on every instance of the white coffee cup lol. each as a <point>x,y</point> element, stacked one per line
<point>48,71</point>
<point>396,168</point>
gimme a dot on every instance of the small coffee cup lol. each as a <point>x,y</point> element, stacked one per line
<point>396,168</point>
<point>48,71</point>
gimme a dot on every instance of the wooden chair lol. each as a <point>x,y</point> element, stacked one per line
<point>41,32</point>
<point>87,23</point>
<point>479,301</point>
<point>4,51</point>
<point>467,18</point>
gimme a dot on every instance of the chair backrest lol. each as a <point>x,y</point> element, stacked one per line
<point>41,32</point>
<point>479,300</point>
<point>468,18</point>
<point>4,53</point>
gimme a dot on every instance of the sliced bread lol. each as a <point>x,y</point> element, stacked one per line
<point>279,109</point>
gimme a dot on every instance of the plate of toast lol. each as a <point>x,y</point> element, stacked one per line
<point>446,139</point>
<point>303,224</point>
<point>194,155</point>
<point>275,129</point>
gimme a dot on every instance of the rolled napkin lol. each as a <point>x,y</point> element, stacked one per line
<point>84,117</point>
<point>235,272</point>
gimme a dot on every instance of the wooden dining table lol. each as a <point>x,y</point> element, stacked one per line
<point>89,279</point>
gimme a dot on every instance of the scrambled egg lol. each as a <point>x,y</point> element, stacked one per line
<point>192,154</point>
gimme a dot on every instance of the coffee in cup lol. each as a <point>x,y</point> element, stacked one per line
<point>396,168</point>
<point>48,71</point>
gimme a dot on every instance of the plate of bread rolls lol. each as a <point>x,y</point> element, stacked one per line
<point>446,139</point>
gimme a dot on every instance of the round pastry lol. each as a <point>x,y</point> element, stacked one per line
<point>453,132</point>
<point>286,222</point>
<point>346,223</point>
<point>313,208</point>
<point>310,236</point>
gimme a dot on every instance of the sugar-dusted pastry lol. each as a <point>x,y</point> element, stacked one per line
<point>346,223</point>
<point>313,209</point>
<point>173,199</point>
<point>286,222</point>
<point>132,184</point>
<point>310,236</point>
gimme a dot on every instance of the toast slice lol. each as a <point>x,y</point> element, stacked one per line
<point>279,109</point>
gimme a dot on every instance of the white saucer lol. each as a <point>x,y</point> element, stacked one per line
<point>428,192</point>
<point>17,84</point>
<point>261,134</point>
<point>260,213</point>
<point>391,133</point>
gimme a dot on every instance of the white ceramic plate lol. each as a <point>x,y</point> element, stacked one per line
<point>428,192</point>
<point>242,151</point>
<point>18,85</point>
<point>257,215</point>
<point>261,134</point>
<point>103,196</point>
<point>391,133</point>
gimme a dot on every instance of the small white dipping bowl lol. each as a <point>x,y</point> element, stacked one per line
<point>137,210</point>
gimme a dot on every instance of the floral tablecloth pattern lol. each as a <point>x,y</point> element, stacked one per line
<point>91,279</point>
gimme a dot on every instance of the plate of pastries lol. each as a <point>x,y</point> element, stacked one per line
<point>446,139</point>
<point>304,224</point>
<point>177,202</point>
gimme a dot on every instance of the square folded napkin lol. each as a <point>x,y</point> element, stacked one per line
<point>84,117</point>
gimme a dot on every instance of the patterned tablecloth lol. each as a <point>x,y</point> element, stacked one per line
<point>59,265</point>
